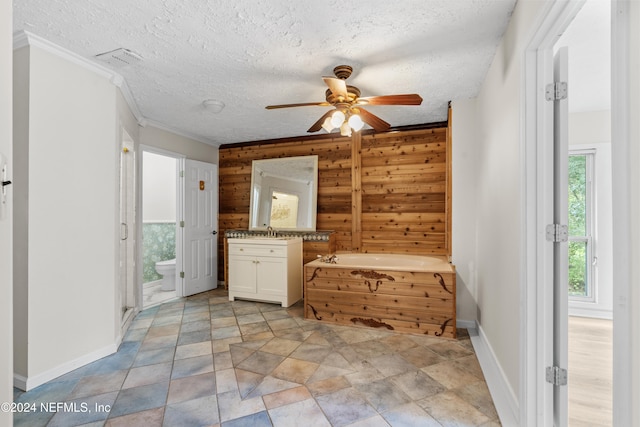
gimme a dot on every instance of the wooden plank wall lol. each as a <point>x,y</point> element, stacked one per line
<point>404,178</point>
<point>386,192</point>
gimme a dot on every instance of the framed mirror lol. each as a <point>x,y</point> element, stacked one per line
<point>284,193</point>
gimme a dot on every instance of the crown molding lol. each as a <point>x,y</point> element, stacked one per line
<point>24,38</point>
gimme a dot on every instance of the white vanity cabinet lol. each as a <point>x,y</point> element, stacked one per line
<point>265,269</point>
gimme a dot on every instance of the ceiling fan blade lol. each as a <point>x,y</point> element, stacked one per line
<point>337,86</point>
<point>374,121</point>
<point>302,104</point>
<point>406,99</point>
<point>318,125</point>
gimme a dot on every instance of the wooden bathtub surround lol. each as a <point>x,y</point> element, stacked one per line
<point>411,302</point>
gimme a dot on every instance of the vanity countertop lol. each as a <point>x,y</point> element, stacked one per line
<point>266,240</point>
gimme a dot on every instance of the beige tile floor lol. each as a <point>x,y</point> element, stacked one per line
<point>205,361</point>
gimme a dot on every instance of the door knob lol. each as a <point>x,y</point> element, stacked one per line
<point>214,232</point>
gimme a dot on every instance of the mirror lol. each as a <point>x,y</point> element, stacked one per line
<point>284,193</point>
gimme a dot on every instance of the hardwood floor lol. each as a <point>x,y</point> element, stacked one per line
<point>590,372</point>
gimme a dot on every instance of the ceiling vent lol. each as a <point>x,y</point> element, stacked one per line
<point>120,57</point>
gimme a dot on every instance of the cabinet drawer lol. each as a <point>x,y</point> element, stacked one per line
<point>259,250</point>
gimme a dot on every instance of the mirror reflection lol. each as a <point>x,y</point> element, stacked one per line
<point>284,193</point>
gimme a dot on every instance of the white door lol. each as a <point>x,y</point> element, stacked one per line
<point>200,260</point>
<point>561,247</point>
<point>127,228</point>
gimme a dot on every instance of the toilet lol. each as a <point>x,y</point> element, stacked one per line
<point>167,269</point>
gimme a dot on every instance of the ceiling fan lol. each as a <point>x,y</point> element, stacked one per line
<point>348,112</point>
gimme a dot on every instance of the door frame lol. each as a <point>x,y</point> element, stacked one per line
<point>179,216</point>
<point>536,327</point>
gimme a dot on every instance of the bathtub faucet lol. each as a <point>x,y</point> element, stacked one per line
<point>329,259</point>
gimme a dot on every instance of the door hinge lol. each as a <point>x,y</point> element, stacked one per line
<point>181,174</point>
<point>556,91</point>
<point>557,233</point>
<point>556,375</point>
<point>182,274</point>
<point>182,224</point>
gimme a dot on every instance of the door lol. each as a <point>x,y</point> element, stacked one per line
<point>560,252</point>
<point>127,228</point>
<point>200,261</point>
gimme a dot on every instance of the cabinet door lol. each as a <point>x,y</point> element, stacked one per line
<point>242,274</point>
<point>272,276</point>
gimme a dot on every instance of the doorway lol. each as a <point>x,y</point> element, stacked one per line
<point>538,322</point>
<point>590,271</point>
<point>161,233</point>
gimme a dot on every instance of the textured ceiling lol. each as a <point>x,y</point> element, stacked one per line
<point>253,53</point>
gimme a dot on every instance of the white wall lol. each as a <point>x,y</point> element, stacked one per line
<point>496,178</point>
<point>6,223</point>
<point>71,209</point>
<point>192,149</point>
<point>464,238</point>
<point>20,210</point>
<point>592,130</point>
<point>158,188</point>
<point>69,119</point>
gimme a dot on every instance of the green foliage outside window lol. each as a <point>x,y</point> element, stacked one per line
<point>577,224</point>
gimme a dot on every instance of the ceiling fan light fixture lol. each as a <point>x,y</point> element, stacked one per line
<point>345,129</point>
<point>337,119</point>
<point>355,122</point>
<point>327,125</point>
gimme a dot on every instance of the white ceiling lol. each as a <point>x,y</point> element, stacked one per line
<point>253,53</point>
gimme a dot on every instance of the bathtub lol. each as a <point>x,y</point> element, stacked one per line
<point>400,262</point>
<point>397,292</point>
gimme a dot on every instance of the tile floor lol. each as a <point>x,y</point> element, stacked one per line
<point>152,294</point>
<point>205,361</point>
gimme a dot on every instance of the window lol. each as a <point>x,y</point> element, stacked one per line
<point>581,225</point>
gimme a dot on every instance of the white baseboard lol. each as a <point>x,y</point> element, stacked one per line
<point>504,398</point>
<point>34,381</point>
<point>466,324</point>
<point>594,313</point>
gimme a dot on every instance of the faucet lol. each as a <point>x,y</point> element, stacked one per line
<point>271,232</point>
<point>329,259</point>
